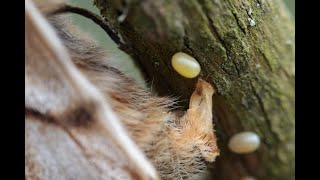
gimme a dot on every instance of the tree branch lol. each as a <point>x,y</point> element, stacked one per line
<point>245,48</point>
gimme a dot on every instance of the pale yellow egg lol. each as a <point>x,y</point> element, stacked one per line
<point>244,142</point>
<point>185,65</point>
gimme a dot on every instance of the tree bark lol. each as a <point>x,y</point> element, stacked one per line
<point>245,48</point>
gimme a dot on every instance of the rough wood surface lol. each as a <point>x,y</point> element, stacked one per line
<point>245,48</point>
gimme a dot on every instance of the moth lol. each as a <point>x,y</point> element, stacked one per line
<point>85,119</point>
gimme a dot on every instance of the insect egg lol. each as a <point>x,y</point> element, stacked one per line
<point>185,65</point>
<point>244,142</point>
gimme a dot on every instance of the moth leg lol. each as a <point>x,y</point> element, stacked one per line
<point>197,122</point>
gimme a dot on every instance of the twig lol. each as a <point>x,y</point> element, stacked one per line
<point>95,18</point>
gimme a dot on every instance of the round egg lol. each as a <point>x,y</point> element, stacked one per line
<point>244,142</point>
<point>185,65</point>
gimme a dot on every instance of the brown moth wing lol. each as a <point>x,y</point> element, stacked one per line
<point>70,130</point>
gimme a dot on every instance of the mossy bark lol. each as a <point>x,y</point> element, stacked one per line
<point>245,48</point>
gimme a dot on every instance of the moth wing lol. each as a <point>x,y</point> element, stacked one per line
<point>70,130</point>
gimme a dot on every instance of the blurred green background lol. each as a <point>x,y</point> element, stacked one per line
<point>123,61</point>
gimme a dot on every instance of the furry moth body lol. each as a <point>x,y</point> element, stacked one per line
<point>177,146</point>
